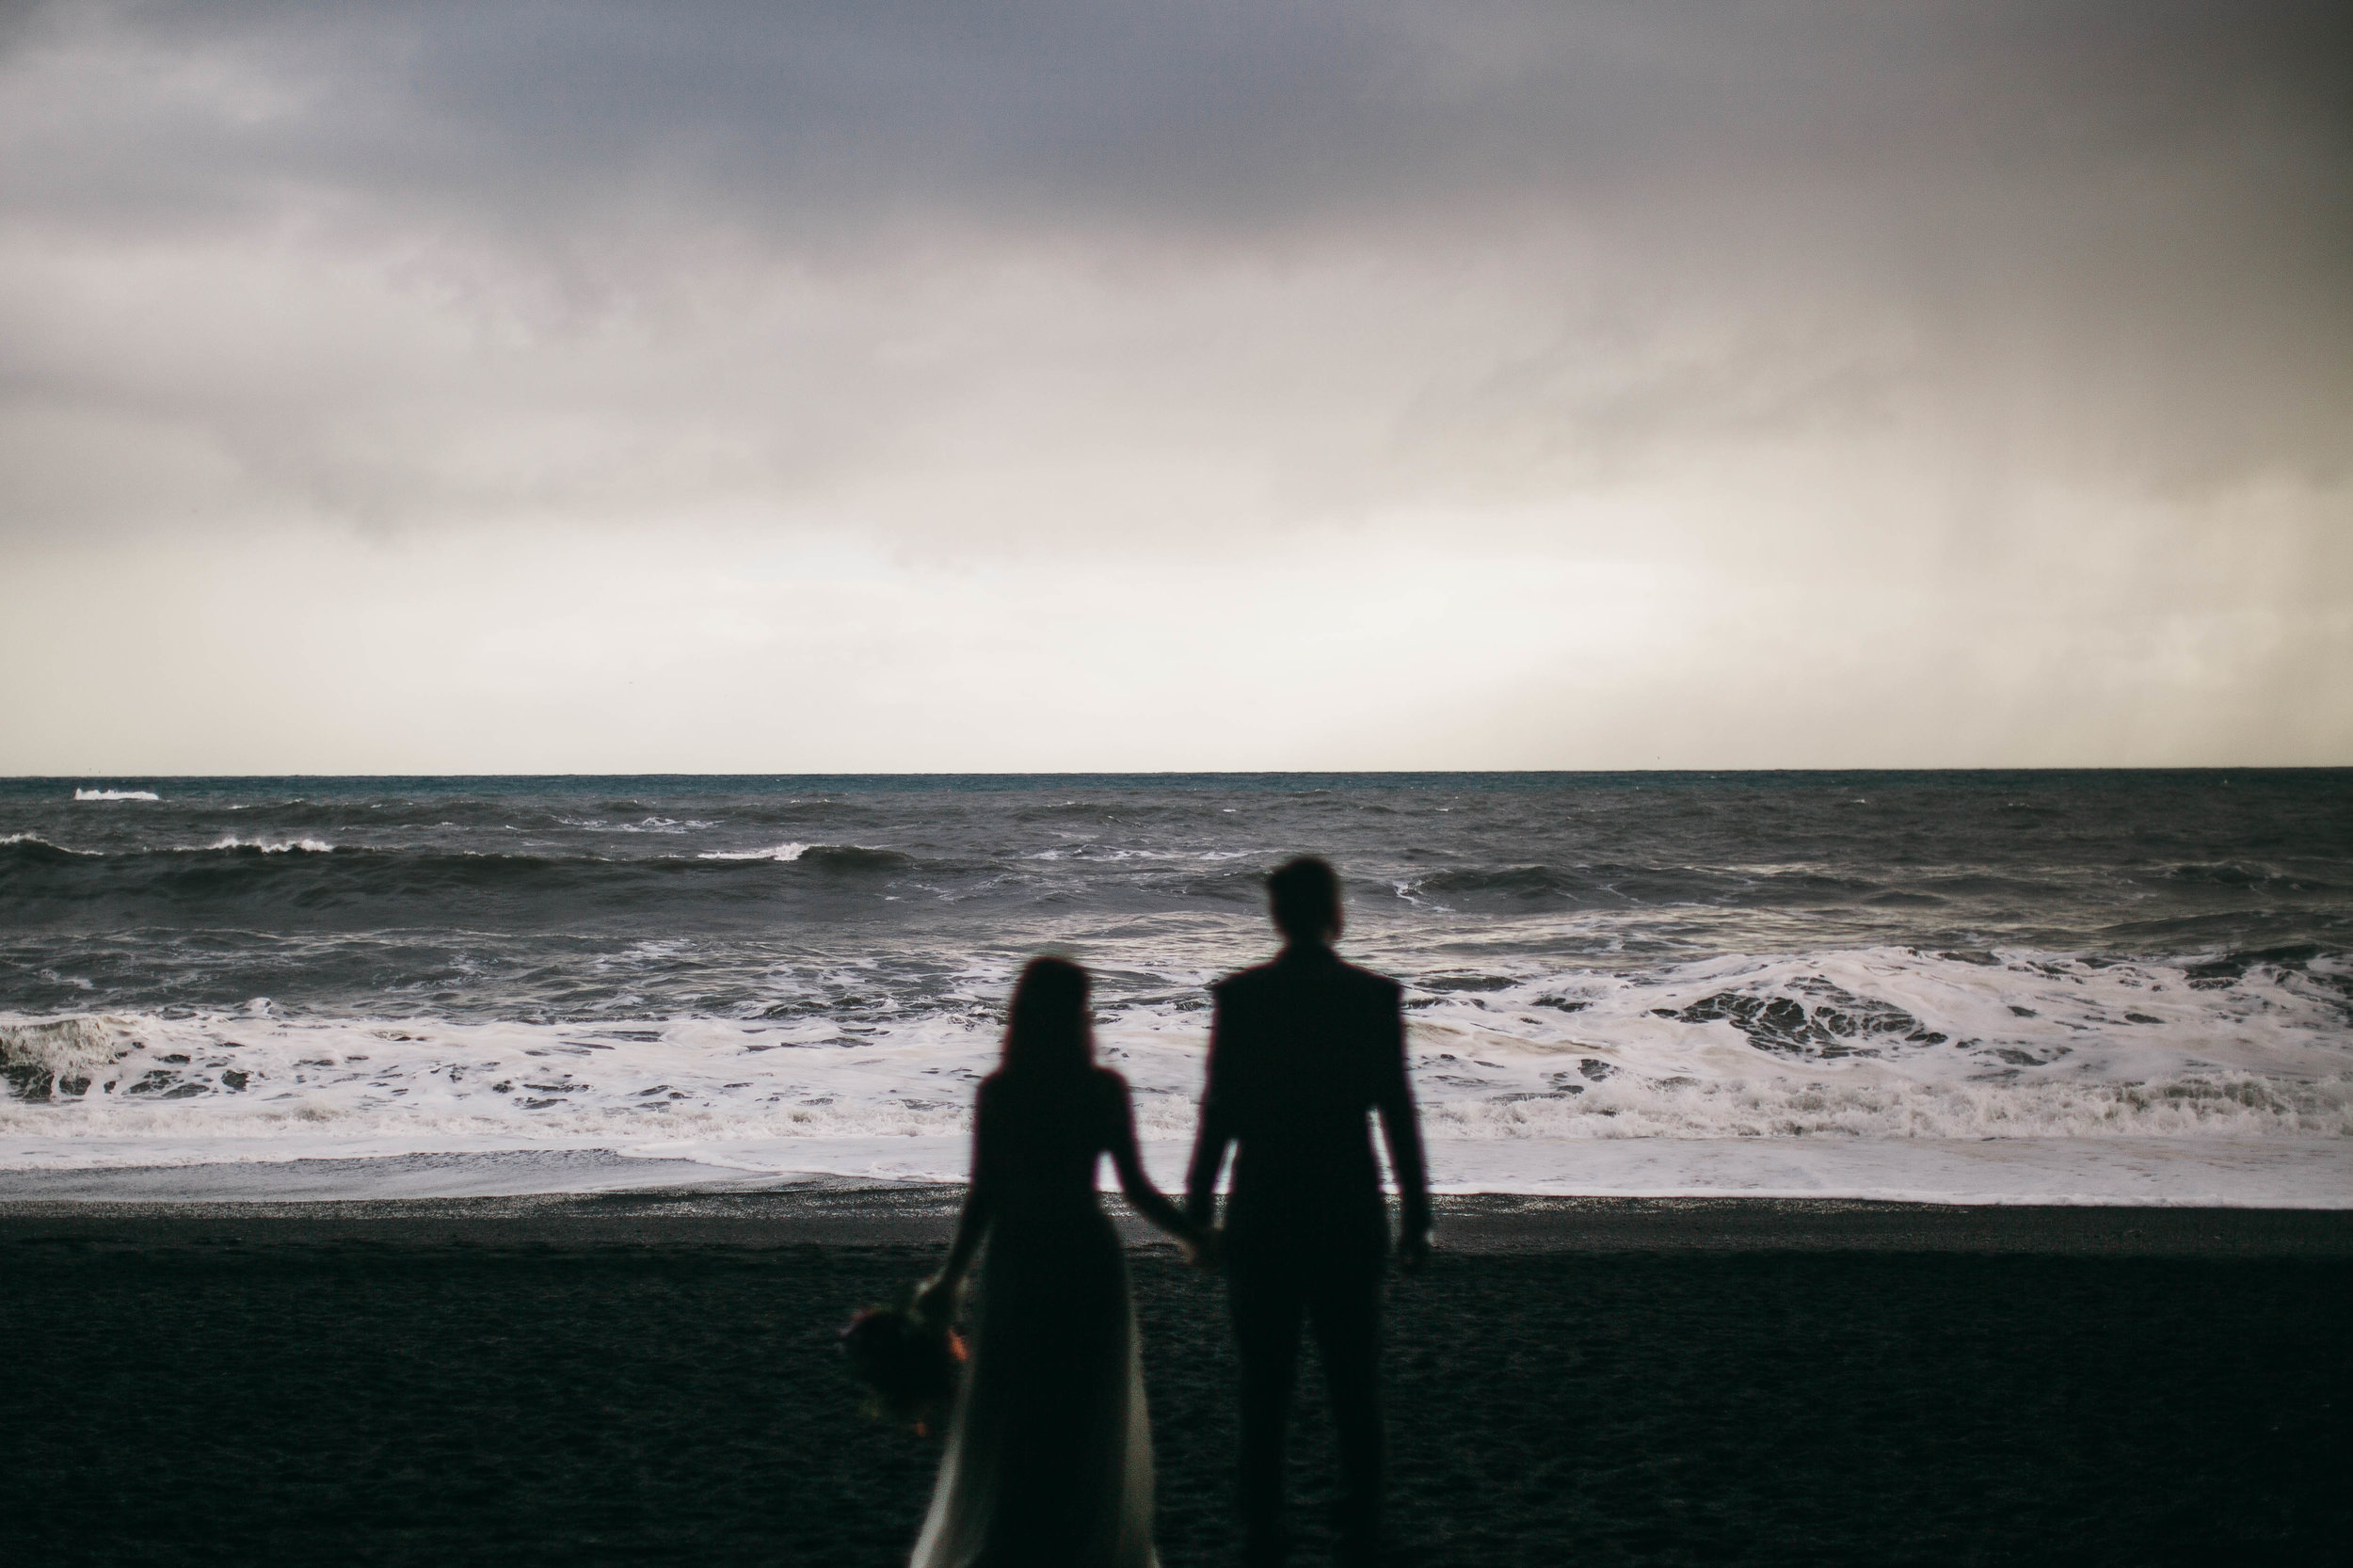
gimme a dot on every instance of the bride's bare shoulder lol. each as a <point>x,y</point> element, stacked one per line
<point>1113,1087</point>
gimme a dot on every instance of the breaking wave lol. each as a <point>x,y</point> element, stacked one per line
<point>1877,1042</point>
<point>787,853</point>
<point>312,881</point>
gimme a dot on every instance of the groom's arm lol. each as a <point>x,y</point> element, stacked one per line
<point>1217,1125</point>
<point>1401,1125</point>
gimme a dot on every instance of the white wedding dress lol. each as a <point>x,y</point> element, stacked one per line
<point>1048,1461</point>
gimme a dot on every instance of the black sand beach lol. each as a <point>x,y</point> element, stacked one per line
<point>651,1379</point>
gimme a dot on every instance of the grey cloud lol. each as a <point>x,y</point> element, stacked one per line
<point>2102,237</point>
<point>1785,384</point>
<point>1211,113</point>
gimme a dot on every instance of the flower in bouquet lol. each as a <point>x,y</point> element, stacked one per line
<point>905,1360</point>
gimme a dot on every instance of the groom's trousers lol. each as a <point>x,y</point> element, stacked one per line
<point>1275,1286</point>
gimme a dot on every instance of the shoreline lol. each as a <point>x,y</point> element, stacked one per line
<point>920,1218</point>
<point>2112,1170</point>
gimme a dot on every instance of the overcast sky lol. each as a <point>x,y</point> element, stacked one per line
<point>757,387</point>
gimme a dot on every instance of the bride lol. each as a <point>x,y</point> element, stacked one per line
<point>1049,1463</point>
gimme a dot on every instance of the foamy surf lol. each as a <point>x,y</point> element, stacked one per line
<point>1880,1052</point>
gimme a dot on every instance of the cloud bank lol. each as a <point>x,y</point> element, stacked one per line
<point>515,386</point>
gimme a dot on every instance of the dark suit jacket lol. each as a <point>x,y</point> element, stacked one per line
<point>1300,1049</point>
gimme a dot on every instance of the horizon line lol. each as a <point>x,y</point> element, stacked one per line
<point>1226,773</point>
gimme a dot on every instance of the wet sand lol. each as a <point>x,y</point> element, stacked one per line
<point>650,1378</point>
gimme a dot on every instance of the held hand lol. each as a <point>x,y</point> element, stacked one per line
<point>936,1301</point>
<point>1413,1249</point>
<point>1205,1249</point>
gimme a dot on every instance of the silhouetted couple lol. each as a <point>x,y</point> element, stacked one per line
<point>1049,1463</point>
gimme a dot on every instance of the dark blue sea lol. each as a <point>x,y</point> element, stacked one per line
<point>194,965</point>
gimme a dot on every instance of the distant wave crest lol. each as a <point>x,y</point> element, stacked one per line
<point>785,852</point>
<point>309,881</point>
<point>834,858</point>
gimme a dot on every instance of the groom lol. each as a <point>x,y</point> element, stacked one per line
<point>1300,1049</point>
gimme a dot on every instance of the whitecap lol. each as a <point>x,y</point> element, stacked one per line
<point>778,852</point>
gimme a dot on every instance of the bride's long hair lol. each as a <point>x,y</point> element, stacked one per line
<point>1049,1032</point>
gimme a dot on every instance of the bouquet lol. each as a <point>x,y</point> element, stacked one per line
<point>905,1360</point>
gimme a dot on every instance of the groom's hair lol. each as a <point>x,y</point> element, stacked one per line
<point>1303,895</point>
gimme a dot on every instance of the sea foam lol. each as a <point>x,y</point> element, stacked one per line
<point>786,851</point>
<point>1855,1046</point>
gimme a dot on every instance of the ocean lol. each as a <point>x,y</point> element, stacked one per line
<point>2031,985</point>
